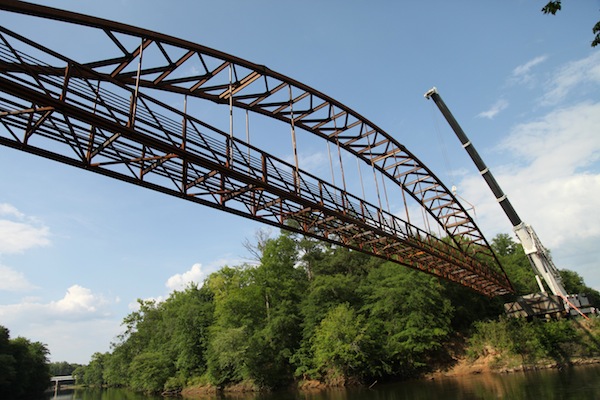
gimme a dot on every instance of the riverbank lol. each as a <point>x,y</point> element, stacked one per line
<point>494,347</point>
<point>492,364</point>
<point>489,364</point>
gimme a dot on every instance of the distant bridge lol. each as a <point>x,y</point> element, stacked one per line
<point>57,381</point>
<point>128,103</point>
<point>63,378</point>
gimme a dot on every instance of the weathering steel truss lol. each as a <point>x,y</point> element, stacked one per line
<point>107,116</point>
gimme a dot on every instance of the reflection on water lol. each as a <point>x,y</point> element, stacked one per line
<point>581,383</point>
<point>101,394</point>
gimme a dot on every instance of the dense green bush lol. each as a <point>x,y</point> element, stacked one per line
<point>24,370</point>
<point>536,341</point>
<point>309,310</point>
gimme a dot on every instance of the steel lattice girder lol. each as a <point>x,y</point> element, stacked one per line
<point>127,129</point>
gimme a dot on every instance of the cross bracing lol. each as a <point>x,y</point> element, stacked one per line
<point>108,115</point>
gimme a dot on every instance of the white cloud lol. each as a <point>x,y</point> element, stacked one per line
<point>524,69</point>
<point>181,281</point>
<point>522,73</point>
<point>14,281</point>
<point>494,109</point>
<point>80,323</point>
<point>19,232</point>
<point>314,162</point>
<point>197,274</point>
<point>79,303</point>
<point>10,210</point>
<point>579,75</point>
<point>558,144</point>
<point>552,177</point>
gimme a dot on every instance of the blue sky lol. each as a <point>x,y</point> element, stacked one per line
<point>77,250</point>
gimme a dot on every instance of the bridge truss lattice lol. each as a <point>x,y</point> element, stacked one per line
<point>111,112</point>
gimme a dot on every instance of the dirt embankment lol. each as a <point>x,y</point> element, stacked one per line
<point>495,363</point>
<point>202,390</point>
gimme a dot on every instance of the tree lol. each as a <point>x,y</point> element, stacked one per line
<point>552,7</point>
<point>62,368</point>
<point>149,372</point>
<point>25,364</point>
<point>275,339</point>
<point>175,332</point>
<point>411,315</point>
<point>574,284</point>
<point>341,344</point>
<point>515,263</point>
<point>8,370</point>
<point>93,373</point>
<point>325,293</point>
<point>227,354</point>
<point>238,308</point>
<point>189,313</point>
<point>335,282</point>
<point>257,319</point>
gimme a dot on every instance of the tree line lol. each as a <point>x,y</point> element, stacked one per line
<point>24,369</point>
<point>306,311</point>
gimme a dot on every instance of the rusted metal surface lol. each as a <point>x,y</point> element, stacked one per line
<point>106,115</point>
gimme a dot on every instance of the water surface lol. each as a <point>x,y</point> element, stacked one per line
<point>579,383</point>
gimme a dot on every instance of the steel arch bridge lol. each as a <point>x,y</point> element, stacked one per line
<point>111,112</point>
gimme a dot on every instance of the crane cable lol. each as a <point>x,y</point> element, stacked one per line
<point>442,145</point>
<point>451,171</point>
<point>443,149</point>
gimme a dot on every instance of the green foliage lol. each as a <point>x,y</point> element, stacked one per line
<point>574,284</point>
<point>257,318</point>
<point>515,263</point>
<point>517,267</point>
<point>325,293</point>
<point>93,373</point>
<point>489,337</point>
<point>24,368</point>
<point>226,355</point>
<point>341,343</point>
<point>314,311</point>
<point>175,332</point>
<point>7,363</point>
<point>534,341</point>
<point>553,6</point>
<point>150,371</point>
<point>410,315</point>
<point>470,306</point>
<point>62,368</point>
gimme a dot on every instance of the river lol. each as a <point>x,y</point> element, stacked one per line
<point>579,383</point>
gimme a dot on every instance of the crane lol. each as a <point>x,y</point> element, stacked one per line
<point>534,304</point>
